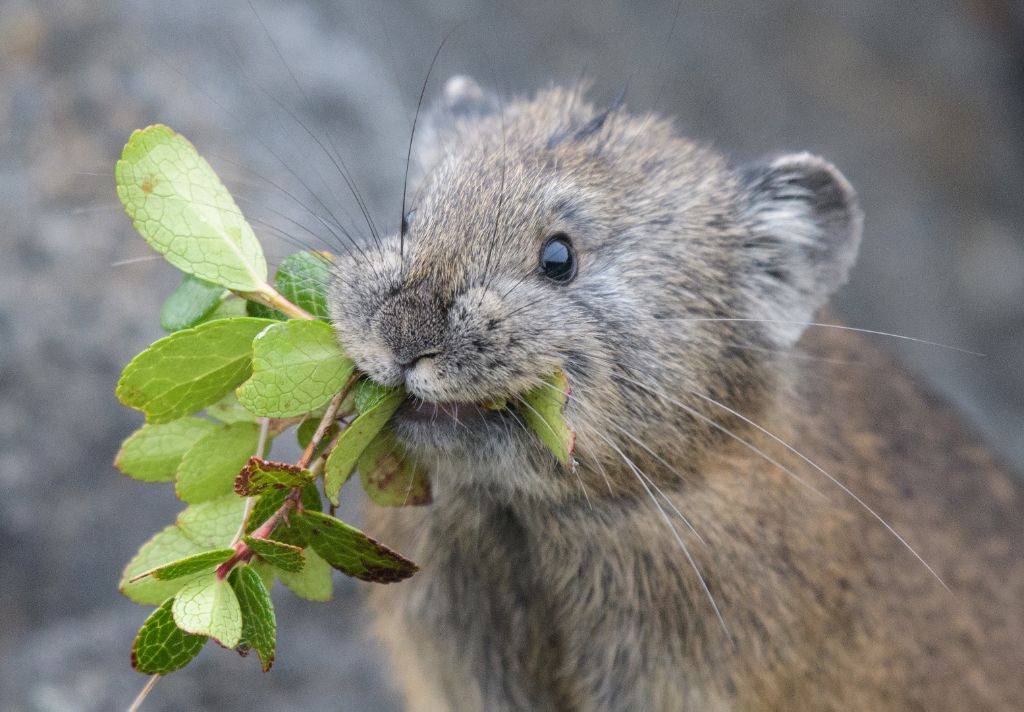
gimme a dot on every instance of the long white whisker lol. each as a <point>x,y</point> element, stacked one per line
<point>726,431</point>
<point>600,465</point>
<point>574,470</point>
<point>828,326</point>
<point>835,481</point>
<point>675,533</point>
<point>785,353</point>
<point>653,454</point>
<point>650,481</point>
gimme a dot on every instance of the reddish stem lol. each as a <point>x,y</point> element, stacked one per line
<point>243,553</point>
<point>325,422</point>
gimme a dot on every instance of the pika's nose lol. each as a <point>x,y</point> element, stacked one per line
<point>412,325</point>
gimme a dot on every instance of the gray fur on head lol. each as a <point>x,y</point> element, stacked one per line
<point>461,100</point>
<point>668,237</point>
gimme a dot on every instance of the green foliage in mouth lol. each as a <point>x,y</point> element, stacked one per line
<point>246,360</point>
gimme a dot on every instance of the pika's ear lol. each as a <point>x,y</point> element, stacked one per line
<point>462,99</point>
<point>804,230</point>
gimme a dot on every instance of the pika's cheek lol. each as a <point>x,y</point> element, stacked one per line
<point>373,359</point>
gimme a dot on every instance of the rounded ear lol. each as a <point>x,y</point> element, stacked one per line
<point>461,99</point>
<point>804,231</point>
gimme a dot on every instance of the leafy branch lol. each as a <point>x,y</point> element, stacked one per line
<point>243,485</point>
<point>244,362</point>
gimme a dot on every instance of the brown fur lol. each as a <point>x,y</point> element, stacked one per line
<point>545,589</point>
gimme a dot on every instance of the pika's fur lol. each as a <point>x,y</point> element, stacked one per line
<point>548,589</point>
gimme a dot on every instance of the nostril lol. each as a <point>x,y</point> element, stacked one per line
<point>411,363</point>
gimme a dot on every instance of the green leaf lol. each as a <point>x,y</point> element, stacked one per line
<point>389,476</point>
<point>266,505</point>
<point>204,561</point>
<point>190,369</point>
<point>152,452</point>
<point>302,279</point>
<point>378,408</point>
<point>213,523</point>
<point>161,646</point>
<point>297,367</point>
<point>278,554</point>
<point>542,411</point>
<point>259,475</point>
<point>265,571</point>
<point>178,204</point>
<point>192,302</point>
<point>209,468</point>
<point>208,606</point>
<point>227,309</point>
<point>499,403</point>
<point>313,582</point>
<point>369,394</point>
<point>166,546</point>
<point>263,311</point>
<point>304,433</point>
<point>228,410</point>
<point>293,531</point>
<point>350,551</point>
<point>259,626</point>
<point>307,429</point>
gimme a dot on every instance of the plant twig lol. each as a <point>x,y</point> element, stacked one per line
<point>325,422</point>
<point>270,297</point>
<point>250,502</point>
<point>143,693</point>
<point>243,552</point>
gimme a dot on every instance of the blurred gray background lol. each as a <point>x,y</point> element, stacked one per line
<point>922,107</point>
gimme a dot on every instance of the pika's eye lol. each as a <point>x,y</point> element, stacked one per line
<point>557,258</point>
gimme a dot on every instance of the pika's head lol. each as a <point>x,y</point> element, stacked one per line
<point>546,233</point>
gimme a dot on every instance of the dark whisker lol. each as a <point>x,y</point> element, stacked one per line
<point>332,227</point>
<point>336,159</point>
<point>294,117</point>
<point>248,131</point>
<point>501,202</point>
<point>408,154</point>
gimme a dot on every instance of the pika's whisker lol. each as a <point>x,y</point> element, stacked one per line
<point>255,136</point>
<point>820,325</point>
<point>607,420</point>
<point>403,227</point>
<point>831,478</point>
<point>686,550</point>
<point>335,228</point>
<point>335,159</point>
<point>726,431</point>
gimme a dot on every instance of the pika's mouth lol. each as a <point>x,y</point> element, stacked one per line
<point>466,427</point>
<point>426,427</point>
<point>423,412</point>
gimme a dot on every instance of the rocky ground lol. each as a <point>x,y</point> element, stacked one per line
<point>923,110</point>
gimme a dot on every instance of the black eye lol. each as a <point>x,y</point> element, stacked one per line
<point>557,259</point>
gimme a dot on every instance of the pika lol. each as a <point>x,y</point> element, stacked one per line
<point>739,532</point>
